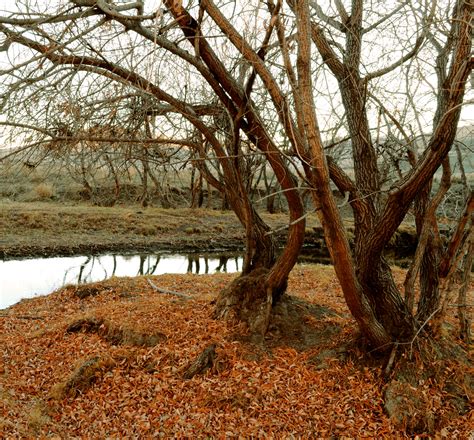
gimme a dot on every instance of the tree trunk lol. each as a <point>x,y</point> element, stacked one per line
<point>197,196</point>
<point>250,297</point>
<point>144,198</point>
<point>463,307</point>
<point>116,179</point>
<point>85,183</point>
<point>386,301</point>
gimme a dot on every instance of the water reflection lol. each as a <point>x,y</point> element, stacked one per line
<point>28,278</point>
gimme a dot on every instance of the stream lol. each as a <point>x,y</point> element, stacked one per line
<point>28,278</point>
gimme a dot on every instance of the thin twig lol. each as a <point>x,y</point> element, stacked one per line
<point>168,292</point>
<point>274,231</point>
<point>421,328</point>
<point>389,365</point>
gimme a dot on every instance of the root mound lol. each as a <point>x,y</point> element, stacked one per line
<point>300,324</point>
<point>247,299</point>
<point>429,387</point>
<point>278,318</point>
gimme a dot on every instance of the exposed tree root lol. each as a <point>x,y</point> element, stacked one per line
<point>82,378</point>
<point>113,334</point>
<point>202,363</point>
<point>280,317</point>
<point>247,299</point>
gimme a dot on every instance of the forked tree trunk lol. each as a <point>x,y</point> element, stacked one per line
<point>429,277</point>
<point>370,291</point>
<point>263,281</point>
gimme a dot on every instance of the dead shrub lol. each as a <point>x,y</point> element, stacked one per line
<point>45,191</point>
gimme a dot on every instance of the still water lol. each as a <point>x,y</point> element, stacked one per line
<point>33,277</point>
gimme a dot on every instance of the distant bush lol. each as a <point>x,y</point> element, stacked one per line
<point>44,191</point>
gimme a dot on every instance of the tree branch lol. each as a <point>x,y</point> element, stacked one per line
<point>456,238</point>
<point>385,17</point>
<point>322,16</point>
<point>414,50</point>
<point>168,292</point>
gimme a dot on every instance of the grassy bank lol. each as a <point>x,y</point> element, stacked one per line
<point>49,228</point>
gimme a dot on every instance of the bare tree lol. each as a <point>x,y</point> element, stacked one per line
<point>376,218</point>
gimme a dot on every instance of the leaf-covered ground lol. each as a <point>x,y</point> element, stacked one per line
<point>97,383</point>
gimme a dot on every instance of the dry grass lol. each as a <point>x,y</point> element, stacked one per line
<point>55,228</point>
<point>21,183</point>
<point>30,179</point>
<point>45,191</point>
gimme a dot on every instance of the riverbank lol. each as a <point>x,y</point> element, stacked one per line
<point>44,229</point>
<point>50,229</point>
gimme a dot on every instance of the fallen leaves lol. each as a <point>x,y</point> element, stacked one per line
<point>140,392</point>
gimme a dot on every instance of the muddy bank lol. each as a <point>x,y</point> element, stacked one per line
<point>314,246</point>
<point>9,252</point>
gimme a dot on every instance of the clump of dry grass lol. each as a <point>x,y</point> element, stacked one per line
<point>45,191</point>
<point>37,416</point>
